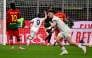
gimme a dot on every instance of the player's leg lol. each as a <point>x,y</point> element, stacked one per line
<point>56,34</point>
<point>32,35</point>
<point>69,39</point>
<point>19,43</point>
<point>29,38</point>
<point>33,32</point>
<point>11,42</point>
<point>16,33</point>
<point>49,38</point>
<point>45,40</point>
<point>58,40</point>
<point>11,38</point>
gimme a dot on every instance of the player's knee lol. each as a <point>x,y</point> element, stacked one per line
<point>58,40</point>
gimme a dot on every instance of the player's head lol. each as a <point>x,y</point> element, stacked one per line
<point>59,9</point>
<point>39,15</point>
<point>12,5</point>
<point>50,14</point>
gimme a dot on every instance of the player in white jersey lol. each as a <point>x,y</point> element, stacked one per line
<point>65,33</point>
<point>35,27</point>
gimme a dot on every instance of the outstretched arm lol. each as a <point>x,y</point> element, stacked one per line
<point>45,14</point>
<point>66,20</point>
<point>52,25</point>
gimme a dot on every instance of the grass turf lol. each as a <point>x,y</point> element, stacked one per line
<point>39,51</point>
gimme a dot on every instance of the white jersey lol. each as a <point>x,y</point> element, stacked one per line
<point>37,22</point>
<point>60,24</point>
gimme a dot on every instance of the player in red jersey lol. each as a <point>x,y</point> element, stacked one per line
<point>62,16</point>
<point>11,18</point>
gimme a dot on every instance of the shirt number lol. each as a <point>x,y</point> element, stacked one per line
<point>38,22</point>
<point>14,18</point>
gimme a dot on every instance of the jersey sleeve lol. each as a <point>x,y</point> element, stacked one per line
<point>43,19</point>
<point>54,20</point>
<point>32,20</point>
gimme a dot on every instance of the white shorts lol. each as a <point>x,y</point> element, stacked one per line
<point>33,32</point>
<point>64,34</point>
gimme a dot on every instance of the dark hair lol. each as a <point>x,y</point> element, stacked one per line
<point>59,9</point>
<point>12,5</point>
<point>52,11</point>
<point>39,15</point>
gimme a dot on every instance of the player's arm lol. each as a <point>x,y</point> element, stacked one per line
<point>45,15</point>
<point>65,19</point>
<point>53,29</point>
<point>52,25</point>
<point>32,20</point>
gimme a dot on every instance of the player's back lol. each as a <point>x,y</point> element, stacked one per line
<point>60,24</point>
<point>37,22</point>
<point>13,15</point>
<point>62,16</point>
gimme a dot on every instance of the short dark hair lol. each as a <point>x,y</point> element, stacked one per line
<point>39,15</point>
<point>59,9</point>
<point>52,11</point>
<point>12,5</point>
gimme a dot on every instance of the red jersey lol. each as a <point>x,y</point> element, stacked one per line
<point>62,16</point>
<point>12,15</point>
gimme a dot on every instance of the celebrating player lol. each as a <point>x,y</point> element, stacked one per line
<point>35,27</point>
<point>11,21</point>
<point>64,33</point>
<point>62,16</point>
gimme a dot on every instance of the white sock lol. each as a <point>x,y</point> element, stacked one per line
<point>28,41</point>
<point>63,48</point>
<point>79,46</point>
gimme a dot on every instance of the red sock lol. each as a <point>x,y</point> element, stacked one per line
<point>11,42</point>
<point>19,44</point>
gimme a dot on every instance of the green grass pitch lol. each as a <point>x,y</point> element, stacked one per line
<point>39,51</point>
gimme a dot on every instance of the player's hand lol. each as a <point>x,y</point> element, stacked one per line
<point>45,12</point>
<point>49,28</point>
<point>51,23</point>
